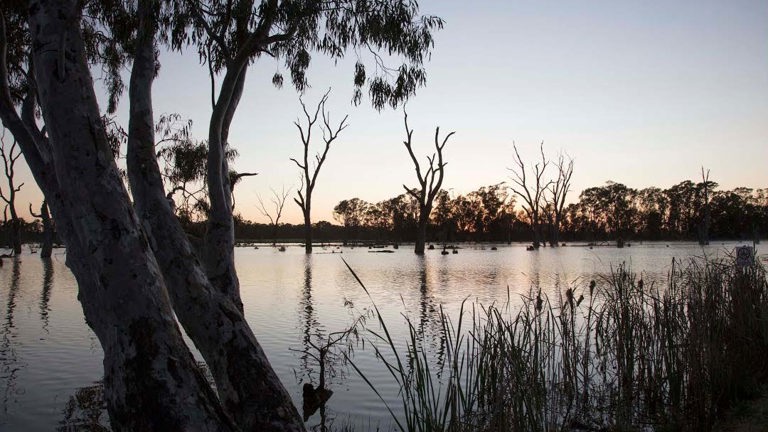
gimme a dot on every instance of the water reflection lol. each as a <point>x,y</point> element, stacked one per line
<point>86,411</point>
<point>310,326</point>
<point>314,353</point>
<point>430,326</point>
<point>45,296</point>
<point>9,361</point>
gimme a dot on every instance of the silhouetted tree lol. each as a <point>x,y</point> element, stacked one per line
<point>705,187</point>
<point>351,214</point>
<point>531,191</point>
<point>429,182</point>
<point>278,202</point>
<point>558,193</point>
<point>48,234</point>
<point>309,171</point>
<point>10,155</point>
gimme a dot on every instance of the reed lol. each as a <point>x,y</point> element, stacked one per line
<point>609,354</point>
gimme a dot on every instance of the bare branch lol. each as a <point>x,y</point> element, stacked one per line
<point>430,181</point>
<point>278,201</point>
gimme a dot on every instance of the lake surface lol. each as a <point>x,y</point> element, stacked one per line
<point>50,361</point>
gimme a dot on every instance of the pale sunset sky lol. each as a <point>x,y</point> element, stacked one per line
<point>642,93</point>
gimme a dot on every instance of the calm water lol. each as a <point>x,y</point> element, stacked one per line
<point>50,362</point>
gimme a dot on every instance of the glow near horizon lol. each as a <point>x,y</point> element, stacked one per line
<point>638,93</point>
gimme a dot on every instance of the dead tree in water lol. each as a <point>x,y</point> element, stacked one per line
<point>45,216</point>
<point>278,202</point>
<point>10,156</point>
<point>429,182</point>
<point>559,190</point>
<point>704,226</point>
<point>309,173</point>
<point>532,194</point>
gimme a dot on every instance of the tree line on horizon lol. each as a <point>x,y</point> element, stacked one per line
<point>491,214</point>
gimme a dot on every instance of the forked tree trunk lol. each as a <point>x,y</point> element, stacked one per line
<point>247,384</point>
<point>151,380</point>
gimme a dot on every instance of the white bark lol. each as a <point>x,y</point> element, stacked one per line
<point>248,387</point>
<point>151,380</point>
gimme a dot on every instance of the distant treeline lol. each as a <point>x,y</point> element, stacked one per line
<point>603,213</point>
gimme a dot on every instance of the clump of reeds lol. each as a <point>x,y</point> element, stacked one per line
<point>613,354</point>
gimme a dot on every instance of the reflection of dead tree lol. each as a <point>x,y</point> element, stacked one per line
<point>430,182</point>
<point>278,202</point>
<point>559,190</point>
<point>11,363</point>
<point>309,172</point>
<point>532,193</point>
<point>45,296</point>
<point>329,352</point>
<point>86,410</point>
<point>10,156</point>
<point>45,216</point>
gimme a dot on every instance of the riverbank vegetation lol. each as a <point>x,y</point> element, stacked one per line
<point>611,354</point>
<point>488,214</point>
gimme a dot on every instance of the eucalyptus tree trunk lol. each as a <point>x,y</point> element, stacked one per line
<point>248,386</point>
<point>219,256</point>
<point>151,379</point>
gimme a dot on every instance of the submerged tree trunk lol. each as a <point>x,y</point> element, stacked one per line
<point>536,228</point>
<point>307,229</point>
<point>248,386</point>
<point>421,232</point>
<point>151,379</point>
<point>45,216</point>
<point>556,231</point>
<point>15,232</point>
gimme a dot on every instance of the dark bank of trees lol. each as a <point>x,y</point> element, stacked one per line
<point>603,213</point>
<point>676,213</point>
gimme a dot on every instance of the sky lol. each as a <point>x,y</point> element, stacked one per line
<point>641,93</point>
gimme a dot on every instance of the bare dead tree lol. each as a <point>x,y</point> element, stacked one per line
<point>558,192</point>
<point>531,191</point>
<point>278,202</point>
<point>430,181</point>
<point>309,171</point>
<point>10,156</point>
<point>704,226</point>
<point>45,216</point>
